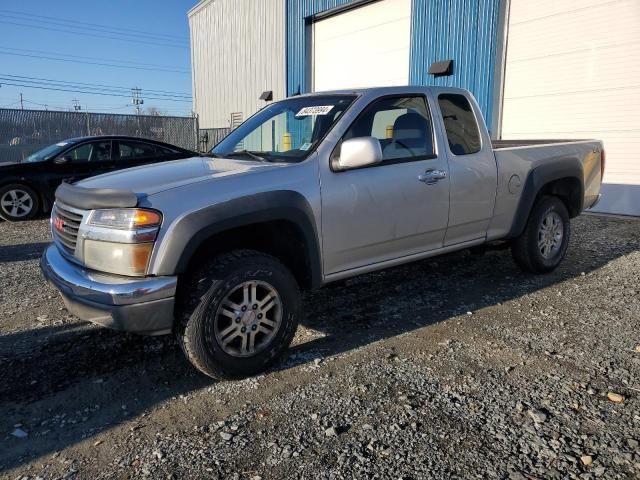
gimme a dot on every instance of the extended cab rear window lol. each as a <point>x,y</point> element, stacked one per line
<point>460,124</point>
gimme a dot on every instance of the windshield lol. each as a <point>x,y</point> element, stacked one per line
<point>47,153</point>
<point>285,131</point>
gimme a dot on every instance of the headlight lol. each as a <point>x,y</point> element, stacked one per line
<point>125,218</point>
<point>120,241</point>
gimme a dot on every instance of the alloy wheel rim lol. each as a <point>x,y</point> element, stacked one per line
<point>248,318</point>
<point>550,235</point>
<point>16,203</point>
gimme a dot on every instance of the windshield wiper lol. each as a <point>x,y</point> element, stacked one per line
<point>248,153</point>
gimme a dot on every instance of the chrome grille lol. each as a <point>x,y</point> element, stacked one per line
<point>64,227</point>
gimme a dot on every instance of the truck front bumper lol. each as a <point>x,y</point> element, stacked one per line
<point>140,305</point>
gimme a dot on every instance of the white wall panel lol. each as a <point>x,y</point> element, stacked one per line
<point>237,52</point>
<point>572,72</point>
<point>364,47</point>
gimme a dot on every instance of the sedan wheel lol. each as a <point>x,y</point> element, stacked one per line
<point>17,202</point>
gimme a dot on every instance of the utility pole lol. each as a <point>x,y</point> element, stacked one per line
<point>21,104</point>
<point>135,99</point>
<point>76,105</point>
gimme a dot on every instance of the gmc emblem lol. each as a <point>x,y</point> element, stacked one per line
<point>58,224</point>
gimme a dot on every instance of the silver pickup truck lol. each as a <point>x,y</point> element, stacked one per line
<point>310,190</point>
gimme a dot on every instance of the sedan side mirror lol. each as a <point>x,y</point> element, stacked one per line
<point>62,160</point>
<point>359,152</point>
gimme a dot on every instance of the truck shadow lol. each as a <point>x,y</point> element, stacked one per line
<point>22,252</point>
<point>80,366</point>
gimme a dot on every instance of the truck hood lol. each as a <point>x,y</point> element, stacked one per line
<point>158,177</point>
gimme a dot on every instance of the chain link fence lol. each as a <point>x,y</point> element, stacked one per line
<point>23,132</point>
<point>209,137</point>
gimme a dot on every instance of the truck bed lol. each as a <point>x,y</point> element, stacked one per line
<point>515,159</point>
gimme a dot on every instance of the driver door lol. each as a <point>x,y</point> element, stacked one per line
<point>85,160</point>
<point>390,210</point>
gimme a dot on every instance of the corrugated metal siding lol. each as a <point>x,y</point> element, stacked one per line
<point>238,51</point>
<point>462,30</point>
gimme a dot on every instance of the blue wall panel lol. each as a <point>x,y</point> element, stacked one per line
<point>462,30</point>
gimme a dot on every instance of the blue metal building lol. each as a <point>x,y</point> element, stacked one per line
<point>469,32</point>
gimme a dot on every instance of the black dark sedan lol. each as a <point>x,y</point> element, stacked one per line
<point>27,188</point>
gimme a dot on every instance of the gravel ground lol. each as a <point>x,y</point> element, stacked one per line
<point>457,367</point>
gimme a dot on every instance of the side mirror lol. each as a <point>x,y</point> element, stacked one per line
<point>359,152</point>
<point>62,160</point>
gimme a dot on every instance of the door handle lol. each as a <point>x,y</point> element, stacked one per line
<point>432,176</point>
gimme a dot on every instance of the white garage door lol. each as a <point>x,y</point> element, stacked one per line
<point>364,47</point>
<point>572,71</point>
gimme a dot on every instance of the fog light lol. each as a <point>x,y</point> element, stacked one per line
<point>130,259</point>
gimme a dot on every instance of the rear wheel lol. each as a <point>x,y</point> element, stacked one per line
<point>239,314</point>
<point>18,202</point>
<point>544,242</point>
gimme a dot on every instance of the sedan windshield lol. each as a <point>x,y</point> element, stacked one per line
<point>47,153</point>
<point>285,131</point>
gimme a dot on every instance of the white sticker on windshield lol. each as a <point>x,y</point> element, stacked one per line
<point>317,110</point>
<point>61,144</point>
<point>305,146</point>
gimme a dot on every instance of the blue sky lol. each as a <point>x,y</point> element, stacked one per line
<point>157,38</point>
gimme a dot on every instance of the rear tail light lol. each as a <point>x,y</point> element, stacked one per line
<point>603,159</point>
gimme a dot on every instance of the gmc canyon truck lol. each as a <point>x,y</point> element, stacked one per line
<point>310,190</point>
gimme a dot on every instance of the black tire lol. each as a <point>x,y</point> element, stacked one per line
<point>202,296</point>
<point>525,249</point>
<point>27,198</point>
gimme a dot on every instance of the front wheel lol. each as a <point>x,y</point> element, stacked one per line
<point>544,242</point>
<point>239,314</point>
<point>18,202</point>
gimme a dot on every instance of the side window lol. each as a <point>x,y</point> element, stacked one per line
<point>165,152</point>
<point>91,152</point>
<point>101,152</point>
<point>401,124</point>
<point>460,123</point>
<point>80,154</point>
<point>136,150</point>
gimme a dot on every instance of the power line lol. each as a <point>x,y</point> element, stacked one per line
<point>91,85</point>
<point>94,63</point>
<point>120,36</point>
<point>45,105</point>
<point>83,57</point>
<point>10,104</point>
<point>86,34</point>
<point>163,111</point>
<point>92,26</point>
<point>86,24</point>
<point>95,108</point>
<point>88,92</point>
